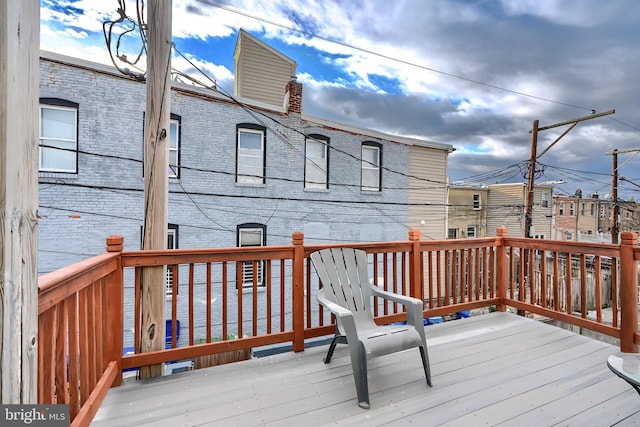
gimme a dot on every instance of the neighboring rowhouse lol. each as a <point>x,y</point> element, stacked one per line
<point>591,218</point>
<point>506,204</point>
<point>577,218</point>
<point>467,211</point>
<point>243,172</point>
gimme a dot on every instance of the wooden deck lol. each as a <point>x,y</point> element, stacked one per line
<point>492,369</point>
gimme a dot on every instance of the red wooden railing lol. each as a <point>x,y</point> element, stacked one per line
<point>82,312</point>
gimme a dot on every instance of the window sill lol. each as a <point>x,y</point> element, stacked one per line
<point>316,190</point>
<point>58,175</point>
<point>249,184</point>
<point>249,289</point>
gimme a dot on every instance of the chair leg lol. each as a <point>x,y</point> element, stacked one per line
<point>425,364</point>
<point>359,366</point>
<point>337,339</point>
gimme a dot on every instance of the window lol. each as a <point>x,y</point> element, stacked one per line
<point>544,199</point>
<point>453,233</point>
<point>174,146</point>
<point>593,209</point>
<point>252,235</point>
<point>250,164</point>
<point>58,136</point>
<point>476,201</point>
<point>568,235</point>
<point>471,232</point>
<point>172,243</point>
<point>572,209</point>
<point>602,213</point>
<point>561,209</point>
<point>371,162</point>
<point>583,208</point>
<point>316,166</point>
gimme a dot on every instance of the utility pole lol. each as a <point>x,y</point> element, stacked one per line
<point>615,213</point>
<point>614,197</point>
<point>19,93</point>
<point>156,181</point>
<point>528,216</point>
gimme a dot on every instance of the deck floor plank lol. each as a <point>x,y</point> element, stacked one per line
<point>493,369</point>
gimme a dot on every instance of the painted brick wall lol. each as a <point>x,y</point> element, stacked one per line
<point>79,211</point>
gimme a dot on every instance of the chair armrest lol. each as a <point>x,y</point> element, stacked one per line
<point>344,317</point>
<point>400,299</point>
<point>414,306</point>
<point>334,308</point>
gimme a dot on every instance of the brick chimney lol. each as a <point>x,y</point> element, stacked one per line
<point>293,96</point>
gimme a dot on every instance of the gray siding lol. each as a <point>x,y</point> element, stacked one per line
<point>506,208</point>
<point>427,212</point>
<point>261,73</point>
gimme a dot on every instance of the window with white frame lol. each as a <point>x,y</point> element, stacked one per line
<point>471,231</point>
<point>58,136</point>
<point>250,160</point>
<point>371,166</point>
<point>561,208</point>
<point>572,209</point>
<point>568,235</point>
<point>593,209</point>
<point>476,201</point>
<point>252,234</point>
<point>583,208</point>
<point>544,199</point>
<point>316,165</point>
<point>602,212</point>
<point>174,146</point>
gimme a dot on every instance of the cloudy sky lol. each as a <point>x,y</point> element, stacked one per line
<point>471,73</point>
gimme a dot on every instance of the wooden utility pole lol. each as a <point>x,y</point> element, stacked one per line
<point>615,229</point>
<point>614,198</point>
<point>156,153</point>
<point>528,215</point>
<point>19,93</point>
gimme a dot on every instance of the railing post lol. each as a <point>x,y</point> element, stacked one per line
<point>501,268</point>
<point>114,308</point>
<point>416,288</point>
<point>628,293</point>
<point>298,291</point>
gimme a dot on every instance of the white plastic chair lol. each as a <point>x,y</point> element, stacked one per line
<point>347,294</point>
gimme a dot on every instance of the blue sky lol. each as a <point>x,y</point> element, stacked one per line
<point>473,74</point>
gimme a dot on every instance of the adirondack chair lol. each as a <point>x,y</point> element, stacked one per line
<point>347,293</point>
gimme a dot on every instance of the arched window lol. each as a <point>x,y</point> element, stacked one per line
<point>316,164</point>
<point>250,154</point>
<point>371,166</point>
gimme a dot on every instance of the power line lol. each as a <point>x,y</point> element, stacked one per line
<point>401,61</point>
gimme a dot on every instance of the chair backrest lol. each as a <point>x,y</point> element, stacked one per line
<point>344,278</point>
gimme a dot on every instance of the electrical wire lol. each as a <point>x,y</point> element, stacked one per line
<point>390,58</point>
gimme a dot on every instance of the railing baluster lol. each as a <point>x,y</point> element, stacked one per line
<point>225,300</point>
<point>598,287</point>
<point>190,302</point>
<point>209,302</point>
<point>268,296</point>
